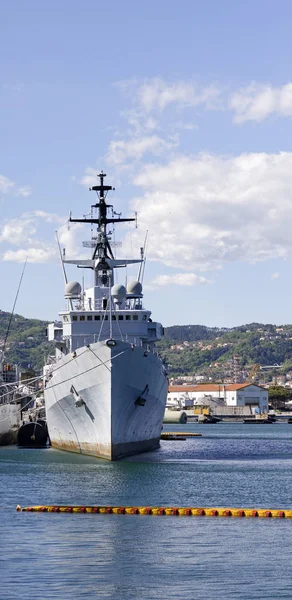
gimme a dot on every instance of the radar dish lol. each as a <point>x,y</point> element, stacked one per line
<point>72,290</point>
<point>118,292</point>
<point>134,289</point>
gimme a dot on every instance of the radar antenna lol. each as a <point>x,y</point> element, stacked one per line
<point>102,219</point>
<point>102,246</point>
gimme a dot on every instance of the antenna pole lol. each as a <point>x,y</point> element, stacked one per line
<point>12,313</point>
<point>63,268</point>
<point>142,256</point>
<point>62,263</point>
<point>110,309</point>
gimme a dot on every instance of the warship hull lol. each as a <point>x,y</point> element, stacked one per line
<point>9,423</point>
<point>106,400</point>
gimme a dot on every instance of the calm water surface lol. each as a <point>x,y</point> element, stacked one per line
<point>124,557</point>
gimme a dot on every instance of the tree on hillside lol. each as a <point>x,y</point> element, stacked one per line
<point>278,396</point>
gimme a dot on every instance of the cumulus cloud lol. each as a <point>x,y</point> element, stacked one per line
<point>17,231</point>
<point>203,211</point>
<point>48,217</point>
<point>30,232</point>
<point>8,186</point>
<point>151,97</point>
<point>256,102</point>
<point>276,276</point>
<point>33,255</point>
<point>140,123</point>
<point>253,102</point>
<point>187,126</point>
<point>158,94</point>
<point>184,279</point>
<point>90,177</point>
<point>24,191</point>
<point>121,151</point>
<point>68,238</point>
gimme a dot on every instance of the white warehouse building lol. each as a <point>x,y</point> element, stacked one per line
<point>235,394</point>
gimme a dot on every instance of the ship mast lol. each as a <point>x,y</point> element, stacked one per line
<point>102,250</point>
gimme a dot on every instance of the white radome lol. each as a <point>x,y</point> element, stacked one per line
<point>134,288</point>
<point>118,292</point>
<point>72,289</point>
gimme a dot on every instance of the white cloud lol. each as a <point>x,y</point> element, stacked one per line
<point>31,230</point>
<point>256,102</point>
<point>152,97</point>
<point>68,240</point>
<point>17,231</point>
<point>253,102</point>
<point>183,279</point>
<point>158,94</point>
<point>185,126</point>
<point>139,123</point>
<point>90,177</point>
<point>33,255</point>
<point>7,186</point>
<point>276,276</point>
<point>202,211</point>
<point>122,151</point>
<point>24,191</point>
<point>48,217</point>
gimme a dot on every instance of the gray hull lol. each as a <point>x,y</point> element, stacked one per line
<point>106,401</point>
<point>9,423</point>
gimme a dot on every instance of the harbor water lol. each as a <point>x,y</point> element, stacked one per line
<point>124,557</point>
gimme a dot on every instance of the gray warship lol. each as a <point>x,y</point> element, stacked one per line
<point>9,408</point>
<point>16,400</point>
<point>105,388</point>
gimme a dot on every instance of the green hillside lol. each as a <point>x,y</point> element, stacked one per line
<point>27,343</point>
<point>186,349</point>
<point>190,349</point>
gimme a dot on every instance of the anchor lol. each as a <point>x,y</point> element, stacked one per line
<point>77,397</point>
<point>141,400</point>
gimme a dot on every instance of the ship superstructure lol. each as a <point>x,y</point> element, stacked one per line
<point>106,388</point>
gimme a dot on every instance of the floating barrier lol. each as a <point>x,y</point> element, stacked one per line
<point>164,510</point>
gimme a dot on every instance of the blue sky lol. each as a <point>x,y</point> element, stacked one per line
<point>187,107</point>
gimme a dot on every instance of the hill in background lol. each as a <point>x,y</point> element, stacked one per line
<point>27,345</point>
<point>186,349</point>
<point>198,350</point>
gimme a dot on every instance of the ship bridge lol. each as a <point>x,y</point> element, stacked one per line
<point>117,314</point>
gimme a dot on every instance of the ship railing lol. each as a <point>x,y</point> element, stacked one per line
<point>98,305</point>
<point>85,339</point>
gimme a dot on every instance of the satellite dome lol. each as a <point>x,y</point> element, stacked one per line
<point>72,290</point>
<point>134,288</point>
<point>118,292</point>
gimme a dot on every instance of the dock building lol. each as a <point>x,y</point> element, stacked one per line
<point>250,395</point>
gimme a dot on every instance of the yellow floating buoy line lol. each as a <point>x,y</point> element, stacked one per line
<point>163,510</point>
